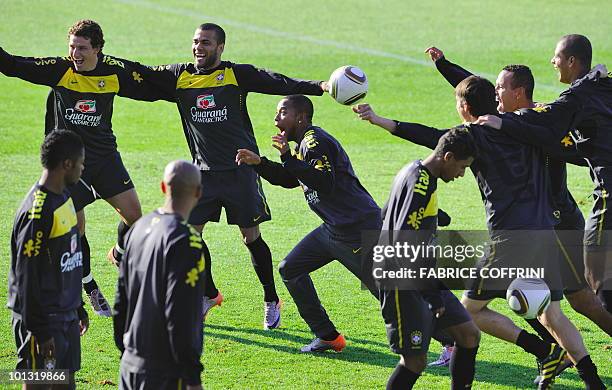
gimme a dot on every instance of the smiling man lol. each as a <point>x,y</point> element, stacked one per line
<point>211,96</point>
<point>83,87</point>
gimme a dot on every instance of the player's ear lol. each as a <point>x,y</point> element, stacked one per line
<point>68,164</point>
<point>448,156</point>
<point>220,48</point>
<point>163,187</point>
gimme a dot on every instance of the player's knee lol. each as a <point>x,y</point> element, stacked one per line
<point>584,301</point>
<point>415,363</point>
<point>552,315</point>
<point>284,270</point>
<point>470,336</point>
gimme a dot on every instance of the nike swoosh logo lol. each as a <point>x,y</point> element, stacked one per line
<point>127,181</point>
<point>256,219</point>
<point>356,250</point>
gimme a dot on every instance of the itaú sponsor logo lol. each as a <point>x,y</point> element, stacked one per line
<point>69,262</point>
<point>81,119</point>
<point>208,116</point>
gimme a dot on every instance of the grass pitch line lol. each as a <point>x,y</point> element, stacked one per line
<point>301,37</point>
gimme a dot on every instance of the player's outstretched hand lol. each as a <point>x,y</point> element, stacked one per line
<point>324,86</point>
<point>489,120</point>
<point>247,157</point>
<point>434,53</point>
<point>365,112</point>
<point>84,325</point>
<point>280,142</point>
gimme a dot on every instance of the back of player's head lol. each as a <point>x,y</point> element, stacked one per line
<point>301,104</point>
<point>219,32</point>
<point>521,78</point>
<point>479,94</point>
<point>88,29</point>
<point>579,47</point>
<point>58,146</point>
<point>458,141</point>
<point>182,178</point>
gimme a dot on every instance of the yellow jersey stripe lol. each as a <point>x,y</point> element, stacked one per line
<point>432,207</point>
<point>399,319</point>
<point>89,84</point>
<point>218,78</point>
<point>64,219</point>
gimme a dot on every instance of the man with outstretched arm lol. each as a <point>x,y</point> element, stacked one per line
<point>324,171</point>
<point>83,87</point>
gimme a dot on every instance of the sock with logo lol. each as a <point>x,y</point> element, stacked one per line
<point>402,378</point>
<point>89,284</point>
<point>463,367</point>
<point>533,344</point>
<point>210,290</point>
<point>261,257</point>
<point>588,373</point>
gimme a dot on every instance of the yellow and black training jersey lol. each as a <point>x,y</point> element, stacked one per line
<point>82,101</point>
<point>213,106</point>
<point>158,304</point>
<point>46,260</point>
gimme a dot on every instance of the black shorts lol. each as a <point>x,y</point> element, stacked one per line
<point>102,180</point>
<point>238,191</point>
<point>519,249</point>
<point>599,224</point>
<point>570,232</point>
<point>67,341</point>
<point>410,323</point>
<point>148,381</point>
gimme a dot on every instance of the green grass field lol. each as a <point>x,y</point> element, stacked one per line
<point>306,39</point>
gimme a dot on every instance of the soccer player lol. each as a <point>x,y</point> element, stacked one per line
<point>83,86</point>
<point>413,315</point>
<point>157,315</point>
<point>514,186</point>
<point>46,264</point>
<point>324,171</point>
<point>211,97</point>
<point>514,91</point>
<point>585,108</point>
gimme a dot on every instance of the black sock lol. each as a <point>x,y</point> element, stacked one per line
<point>533,344</point>
<point>463,367</point>
<point>402,378</point>
<point>588,373</point>
<point>118,250</point>
<point>210,290</point>
<point>331,336</point>
<point>541,331</point>
<point>262,262</point>
<point>89,284</point>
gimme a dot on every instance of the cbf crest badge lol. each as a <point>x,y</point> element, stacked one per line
<point>416,337</point>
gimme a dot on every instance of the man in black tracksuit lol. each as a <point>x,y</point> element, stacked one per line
<point>158,305</point>
<point>324,171</point>
<point>47,264</point>
<point>211,96</point>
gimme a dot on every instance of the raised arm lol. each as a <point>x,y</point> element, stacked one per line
<point>37,70</point>
<point>453,73</point>
<point>413,132</point>
<point>253,79</point>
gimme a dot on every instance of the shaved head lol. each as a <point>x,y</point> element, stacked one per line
<point>181,178</point>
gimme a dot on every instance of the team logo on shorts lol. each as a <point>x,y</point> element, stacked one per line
<point>416,337</point>
<point>206,101</point>
<point>86,106</point>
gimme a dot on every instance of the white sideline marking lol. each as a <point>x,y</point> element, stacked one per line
<point>305,38</point>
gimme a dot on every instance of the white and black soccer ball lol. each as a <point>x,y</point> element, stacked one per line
<point>528,297</point>
<point>348,84</point>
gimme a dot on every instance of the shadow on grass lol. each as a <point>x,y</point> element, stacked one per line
<point>488,372</point>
